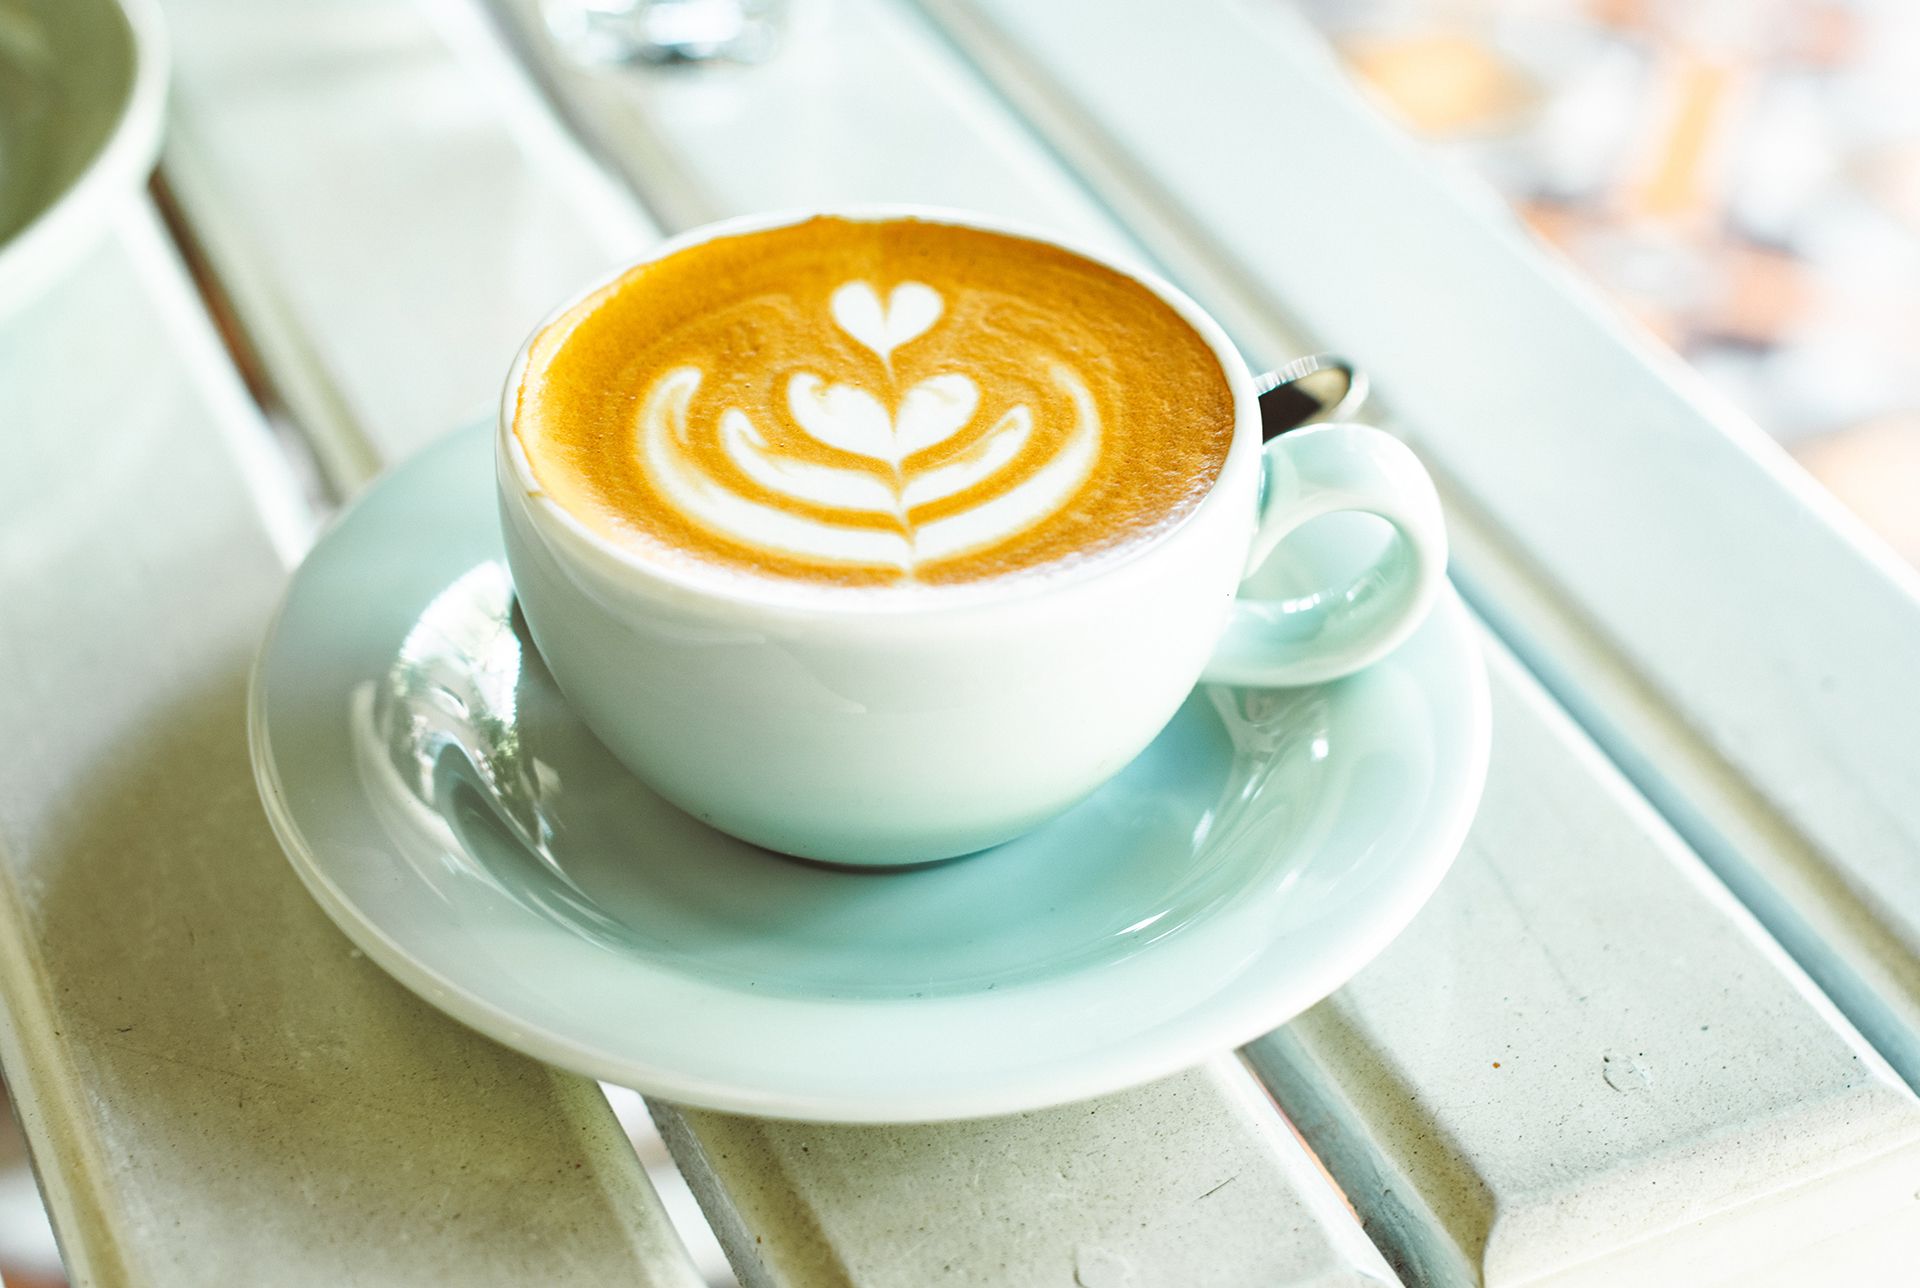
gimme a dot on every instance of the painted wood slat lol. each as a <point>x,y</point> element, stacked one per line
<point>1740,645</point>
<point>217,1089</point>
<point>1191,1181</point>
<point>1584,1064</point>
<point>862,104</point>
<point>382,168</point>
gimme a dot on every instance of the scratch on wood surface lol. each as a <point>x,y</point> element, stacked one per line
<point>285,1086</point>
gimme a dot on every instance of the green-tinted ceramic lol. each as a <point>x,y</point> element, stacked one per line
<point>82,84</point>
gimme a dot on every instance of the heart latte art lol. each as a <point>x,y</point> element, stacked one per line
<point>874,403</point>
<point>897,435</point>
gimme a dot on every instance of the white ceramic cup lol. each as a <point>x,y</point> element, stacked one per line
<point>832,725</point>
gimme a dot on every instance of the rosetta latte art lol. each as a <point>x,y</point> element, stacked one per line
<point>886,403</point>
<point>900,450</point>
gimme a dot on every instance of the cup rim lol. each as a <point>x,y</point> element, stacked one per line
<point>788,595</point>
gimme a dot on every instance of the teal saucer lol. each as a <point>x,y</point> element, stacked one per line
<point>457,820</point>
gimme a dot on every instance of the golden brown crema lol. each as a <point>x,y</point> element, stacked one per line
<point>863,403</point>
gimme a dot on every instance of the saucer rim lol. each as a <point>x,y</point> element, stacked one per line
<point>1168,1048</point>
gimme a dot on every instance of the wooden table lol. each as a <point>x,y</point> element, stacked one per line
<point>1657,1027</point>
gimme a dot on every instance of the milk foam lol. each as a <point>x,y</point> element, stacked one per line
<point>892,403</point>
<point>883,428</point>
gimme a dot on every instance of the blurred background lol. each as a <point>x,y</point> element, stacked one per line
<point>1742,176</point>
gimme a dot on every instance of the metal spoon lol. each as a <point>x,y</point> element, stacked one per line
<point>1320,386</point>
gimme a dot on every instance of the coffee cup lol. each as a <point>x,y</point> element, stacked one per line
<point>845,724</point>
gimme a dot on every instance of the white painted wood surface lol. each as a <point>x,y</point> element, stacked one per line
<point>1795,1148</point>
<point>1583,1064</point>
<point>434,210</point>
<point>320,290</point>
<point>863,103</point>
<point>667,130</point>
<point>1191,1181</point>
<point>1634,507</point>
<point>217,1088</point>
<point>1813,1051</point>
<point>1740,645</point>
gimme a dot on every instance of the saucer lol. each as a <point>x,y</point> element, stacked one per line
<point>452,814</point>
<point>82,93</point>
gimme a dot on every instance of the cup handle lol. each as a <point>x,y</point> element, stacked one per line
<point>1335,630</point>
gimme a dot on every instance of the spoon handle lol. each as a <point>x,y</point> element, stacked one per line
<point>1320,386</point>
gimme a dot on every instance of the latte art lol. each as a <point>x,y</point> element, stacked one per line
<point>920,403</point>
<point>899,438</point>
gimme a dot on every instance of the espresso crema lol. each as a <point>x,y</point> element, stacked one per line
<point>874,402</point>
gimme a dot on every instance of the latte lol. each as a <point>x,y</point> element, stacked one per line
<point>872,403</point>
